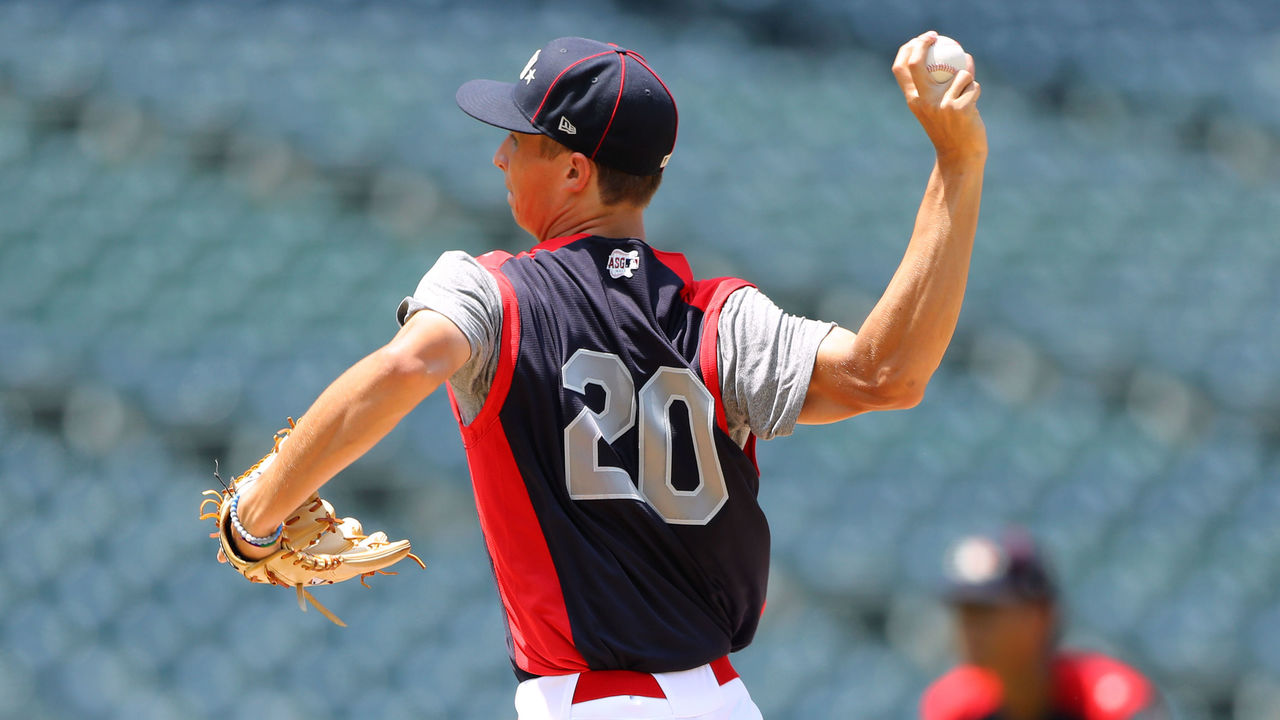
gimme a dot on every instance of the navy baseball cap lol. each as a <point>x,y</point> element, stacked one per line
<point>596,98</point>
<point>989,571</point>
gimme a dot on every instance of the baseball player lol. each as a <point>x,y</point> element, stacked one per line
<point>1005,604</point>
<point>609,401</point>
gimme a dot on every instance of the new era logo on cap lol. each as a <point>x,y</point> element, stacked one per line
<point>624,116</point>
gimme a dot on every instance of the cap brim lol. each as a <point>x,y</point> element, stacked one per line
<point>991,594</point>
<point>980,596</point>
<point>492,102</point>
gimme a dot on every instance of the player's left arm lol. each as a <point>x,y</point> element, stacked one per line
<point>356,411</point>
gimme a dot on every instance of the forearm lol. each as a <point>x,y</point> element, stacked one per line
<point>351,416</point>
<point>356,411</point>
<point>904,338</point>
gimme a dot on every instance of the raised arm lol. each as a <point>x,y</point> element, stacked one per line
<point>888,363</point>
<point>351,416</point>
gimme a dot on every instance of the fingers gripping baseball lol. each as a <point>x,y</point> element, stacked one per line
<point>946,110</point>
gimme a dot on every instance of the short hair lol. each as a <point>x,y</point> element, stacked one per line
<point>615,186</point>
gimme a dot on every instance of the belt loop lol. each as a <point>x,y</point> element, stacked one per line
<point>546,698</point>
<point>692,693</point>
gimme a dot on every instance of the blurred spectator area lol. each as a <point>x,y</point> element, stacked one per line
<point>209,210</point>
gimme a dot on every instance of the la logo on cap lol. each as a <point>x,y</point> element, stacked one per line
<point>527,73</point>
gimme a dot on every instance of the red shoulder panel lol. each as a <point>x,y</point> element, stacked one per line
<point>1097,687</point>
<point>965,693</point>
<point>509,349</point>
<point>710,295</point>
<point>678,265</point>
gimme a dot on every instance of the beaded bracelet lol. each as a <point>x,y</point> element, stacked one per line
<point>244,534</point>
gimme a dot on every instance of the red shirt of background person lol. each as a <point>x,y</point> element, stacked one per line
<point>1005,606</point>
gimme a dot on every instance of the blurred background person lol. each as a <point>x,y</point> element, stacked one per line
<point>1005,605</point>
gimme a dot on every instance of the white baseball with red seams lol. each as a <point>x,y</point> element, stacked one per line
<point>944,59</point>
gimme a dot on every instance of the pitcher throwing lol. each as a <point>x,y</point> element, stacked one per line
<point>610,401</point>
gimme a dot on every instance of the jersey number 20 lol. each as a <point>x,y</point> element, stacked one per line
<point>588,480</point>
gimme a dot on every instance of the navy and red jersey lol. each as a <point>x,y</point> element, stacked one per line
<point>1086,686</point>
<point>620,517</point>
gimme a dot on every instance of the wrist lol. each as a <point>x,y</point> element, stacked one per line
<point>252,543</point>
<point>250,512</point>
<point>962,159</point>
<point>251,552</point>
<point>242,548</point>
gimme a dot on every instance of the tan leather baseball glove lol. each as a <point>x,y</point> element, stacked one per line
<point>316,548</point>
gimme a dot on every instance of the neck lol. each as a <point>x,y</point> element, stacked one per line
<point>613,222</point>
<point>1027,692</point>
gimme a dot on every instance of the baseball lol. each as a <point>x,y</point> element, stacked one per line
<point>944,59</point>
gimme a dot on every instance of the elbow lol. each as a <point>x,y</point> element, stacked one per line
<point>890,390</point>
<point>401,367</point>
<point>898,398</point>
<point>426,351</point>
<point>909,399</point>
<point>399,361</point>
<point>844,395</point>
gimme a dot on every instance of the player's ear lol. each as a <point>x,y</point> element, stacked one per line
<point>578,172</point>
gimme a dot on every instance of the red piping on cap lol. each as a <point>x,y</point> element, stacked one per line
<point>622,82</point>
<point>562,72</point>
<point>640,60</point>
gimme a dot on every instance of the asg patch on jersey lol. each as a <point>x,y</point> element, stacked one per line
<point>620,264</point>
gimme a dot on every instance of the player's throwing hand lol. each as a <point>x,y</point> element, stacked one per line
<point>947,112</point>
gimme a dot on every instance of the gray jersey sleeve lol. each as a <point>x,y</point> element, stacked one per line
<point>766,359</point>
<point>459,288</point>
